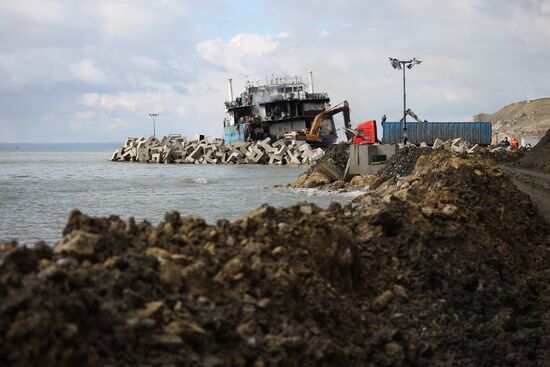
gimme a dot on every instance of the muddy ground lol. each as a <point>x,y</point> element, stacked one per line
<point>450,266</point>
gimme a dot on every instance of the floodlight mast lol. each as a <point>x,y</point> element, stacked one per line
<point>154,115</point>
<point>398,65</point>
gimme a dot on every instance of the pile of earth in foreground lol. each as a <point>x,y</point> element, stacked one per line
<point>449,267</point>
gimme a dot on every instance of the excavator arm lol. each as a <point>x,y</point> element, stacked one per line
<point>413,115</point>
<point>314,132</point>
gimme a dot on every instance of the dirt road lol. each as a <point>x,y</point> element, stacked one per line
<point>535,184</point>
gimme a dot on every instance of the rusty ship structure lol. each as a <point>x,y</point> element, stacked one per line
<point>274,107</point>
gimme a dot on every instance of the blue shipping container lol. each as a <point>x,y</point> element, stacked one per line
<point>418,132</point>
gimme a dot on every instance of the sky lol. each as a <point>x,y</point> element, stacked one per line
<point>92,71</point>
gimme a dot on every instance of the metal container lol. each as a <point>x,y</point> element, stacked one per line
<point>427,132</point>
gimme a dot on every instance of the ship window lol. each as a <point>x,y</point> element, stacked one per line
<point>294,89</point>
<point>288,89</point>
<point>300,88</point>
<point>280,90</point>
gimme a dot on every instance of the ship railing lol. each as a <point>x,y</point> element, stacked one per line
<point>316,95</point>
<point>233,104</point>
<point>274,81</point>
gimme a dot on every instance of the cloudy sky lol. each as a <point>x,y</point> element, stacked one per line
<point>92,71</point>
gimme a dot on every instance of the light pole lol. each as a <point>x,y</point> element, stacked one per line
<point>398,65</point>
<point>154,115</point>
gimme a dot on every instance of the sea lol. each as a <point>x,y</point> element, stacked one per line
<point>41,183</point>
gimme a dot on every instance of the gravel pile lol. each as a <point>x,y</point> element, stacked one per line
<point>402,163</point>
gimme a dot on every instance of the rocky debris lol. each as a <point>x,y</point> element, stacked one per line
<point>504,155</point>
<point>539,156</point>
<point>315,179</point>
<point>338,154</point>
<point>449,267</point>
<point>403,162</point>
<point>177,149</point>
<point>328,169</point>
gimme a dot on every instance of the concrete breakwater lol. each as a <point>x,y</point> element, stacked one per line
<point>177,149</point>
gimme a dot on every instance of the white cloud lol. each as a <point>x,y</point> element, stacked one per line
<point>107,63</point>
<point>44,11</point>
<point>123,100</point>
<point>89,99</point>
<point>241,53</point>
<point>85,70</point>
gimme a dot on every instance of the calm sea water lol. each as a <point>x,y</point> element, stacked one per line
<point>40,185</point>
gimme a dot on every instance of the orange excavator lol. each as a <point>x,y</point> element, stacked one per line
<point>313,135</point>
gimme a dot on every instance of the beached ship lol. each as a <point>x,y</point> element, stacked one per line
<point>273,107</point>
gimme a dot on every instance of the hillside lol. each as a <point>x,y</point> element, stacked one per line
<point>526,118</point>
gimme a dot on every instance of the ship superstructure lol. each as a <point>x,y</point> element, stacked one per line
<point>273,107</point>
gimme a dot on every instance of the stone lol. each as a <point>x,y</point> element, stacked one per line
<point>78,243</point>
<point>152,310</point>
<point>382,300</point>
<point>310,181</point>
<point>438,143</point>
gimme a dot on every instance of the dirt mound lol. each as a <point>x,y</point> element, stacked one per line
<point>426,277</point>
<point>505,155</point>
<point>337,155</point>
<point>539,156</point>
<point>403,162</point>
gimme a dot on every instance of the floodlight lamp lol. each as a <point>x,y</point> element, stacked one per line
<point>395,63</point>
<point>414,62</point>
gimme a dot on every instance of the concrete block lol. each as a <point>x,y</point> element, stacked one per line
<point>129,143</point>
<point>279,143</point>
<point>456,142</point>
<point>167,156</point>
<point>268,148</point>
<point>260,157</point>
<point>476,148</point>
<point>438,143</point>
<point>294,158</point>
<point>197,153</point>
<point>458,148</point>
<point>244,148</point>
<point>281,150</point>
<point>304,147</point>
<point>317,155</point>
<point>143,154</point>
<point>156,157</point>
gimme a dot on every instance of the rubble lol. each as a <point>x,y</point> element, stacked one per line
<point>329,168</point>
<point>426,275</point>
<point>402,163</point>
<point>177,149</point>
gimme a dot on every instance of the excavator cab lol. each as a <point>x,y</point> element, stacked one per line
<point>365,133</point>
